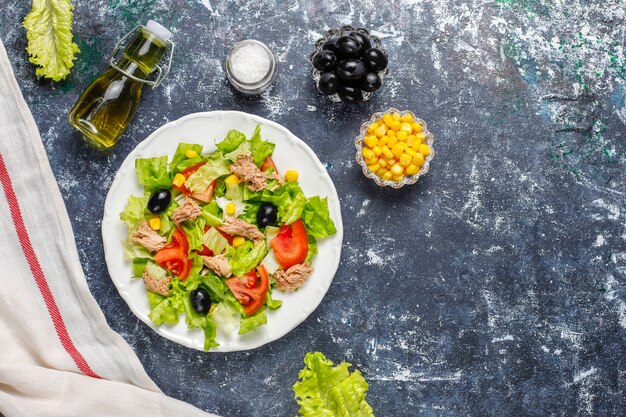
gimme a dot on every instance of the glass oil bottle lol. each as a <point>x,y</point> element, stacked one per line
<point>107,106</point>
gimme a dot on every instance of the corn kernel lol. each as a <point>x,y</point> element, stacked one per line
<point>231,208</point>
<point>387,176</point>
<point>403,145</point>
<point>371,128</point>
<point>368,153</point>
<point>381,130</point>
<point>396,116</point>
<point>407,118</point>
<point>391,142</point>
<point>382,162</point>
<point>406,126</point>
<point>155,223</point>
<point>383,140</point>
<point>411,152</point>
<point>388,119</point>
<point>421,137</point>
<point>232,180</point>
<point>396,169</point>
<point>416,127</point>
<point>397,150</point>
<point>190,153</point>
<point>387,152</point>
<point>397,125</point>
<point>418,160</point>
<point>412,169</point>
<point>391,132</point>
<point>179,180</point>
<point>398,178</point>
<point>377,150</point>
<point>292,176</point>
<point>239,241</point>
<point>401,135</point>
<point>381,172</point>
<point>371,141</point>
<point>424,149</point>
<point>410,140</point>
<point>374,167</point>
<point>405,160</point>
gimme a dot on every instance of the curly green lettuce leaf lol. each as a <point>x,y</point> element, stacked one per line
<point>49,32</point>
<point>214,240</point>
<point>232,141</point>
<point>215,167</point>
<point>180,160</point>
<point>325,390</point>
<point>261,149</point>
<point>152,172</point>
<point>245,257</point>
<point>317,219</point>
<point>247,324</point>
<point>134,212</point>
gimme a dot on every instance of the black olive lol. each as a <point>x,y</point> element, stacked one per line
<point>331,44</point>
<point>350,94</point>
<point>351,69</point>
<point>325,60</point>
<point>328,83</point>
<point>200,301</point>
<point>364,39</point>
<point>267,215</point>
<point>375,59</point>
<point>371,82</point>
<point>159,201</point>
<point>347,46</point>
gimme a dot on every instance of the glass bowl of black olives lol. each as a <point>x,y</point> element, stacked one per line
<point>349,64</point>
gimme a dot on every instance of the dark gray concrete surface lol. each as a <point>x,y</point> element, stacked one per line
<point>496,286</point>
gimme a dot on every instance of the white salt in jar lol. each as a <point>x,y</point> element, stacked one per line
<point>251,66</point>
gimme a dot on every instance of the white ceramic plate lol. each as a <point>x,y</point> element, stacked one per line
<point>207,129</point>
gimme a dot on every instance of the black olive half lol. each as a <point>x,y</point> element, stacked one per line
<point>328,83</point>
<point>347,46</point>
<point>375,59</point>
<point>371,82</point>
<point>350,94</point>
<point>159,201</point>
<point>325,60</point>
<point>267,215</point>
<point>351,69</point>
<point>200,301</point>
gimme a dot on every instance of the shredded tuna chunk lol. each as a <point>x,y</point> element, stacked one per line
<point>218,264</point>
<point>189,210</point>
<point>245,168</point>
<point>276,176</point>
<point>237,227</point>
<point>148,238</point>
<point>159,286</point>
<point>293,277</point>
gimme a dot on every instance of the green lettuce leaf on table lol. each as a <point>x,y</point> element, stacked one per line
<point>49,33</point>
<point>325,390</point>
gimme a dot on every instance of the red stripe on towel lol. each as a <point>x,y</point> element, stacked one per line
<point>40,278</point>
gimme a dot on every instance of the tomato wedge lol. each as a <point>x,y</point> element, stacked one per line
<point>291,245</point>
<point>174,255</point>
<point>269,163</point>
<point>250,290</point>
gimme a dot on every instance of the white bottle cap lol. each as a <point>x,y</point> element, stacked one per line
<point>159,30</point>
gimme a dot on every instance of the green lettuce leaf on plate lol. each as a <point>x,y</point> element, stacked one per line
<point>180,160</point>
<point>325,390</point>
<point>317,219</point>
<point>214,168</point>
<point>153,173</point>
<point>134,212</point>
<point>247,324</point>
<point>49,32</point>
<point>245,257</point>
<point>261,149</point>
<point>232,141</point>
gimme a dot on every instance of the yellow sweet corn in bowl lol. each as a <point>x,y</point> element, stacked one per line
<point>394,148</point>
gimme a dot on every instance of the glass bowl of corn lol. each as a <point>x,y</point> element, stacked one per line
<point>394,148</point>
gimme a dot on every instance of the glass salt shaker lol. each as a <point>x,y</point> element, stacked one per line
<point>251,66</point>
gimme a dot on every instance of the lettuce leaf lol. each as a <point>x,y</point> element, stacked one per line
<point>214,240</point>
<point>317,219</point>
<point>312,248</point>
<point>207,173</point>
<point>289,199</point>
<point>133,251</point>
<point>211,214</point>
<point>245,257</point>
<point>271,303</point>
<point>247,324</point>
<point>324,390</point>
<point>233,139</point>
<point>180,160</point>
<point>244,149</point>
<point>134,212</point>
<point>49,32</point>
<point>152,173</point>
<point>261,149</point>
<point>194,230</point>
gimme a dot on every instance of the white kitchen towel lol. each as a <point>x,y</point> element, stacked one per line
<point>58,356</point>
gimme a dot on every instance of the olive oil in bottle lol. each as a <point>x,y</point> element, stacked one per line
<point>107,106</point>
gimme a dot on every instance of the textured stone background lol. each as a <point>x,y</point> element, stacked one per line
<point>496,286</point>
